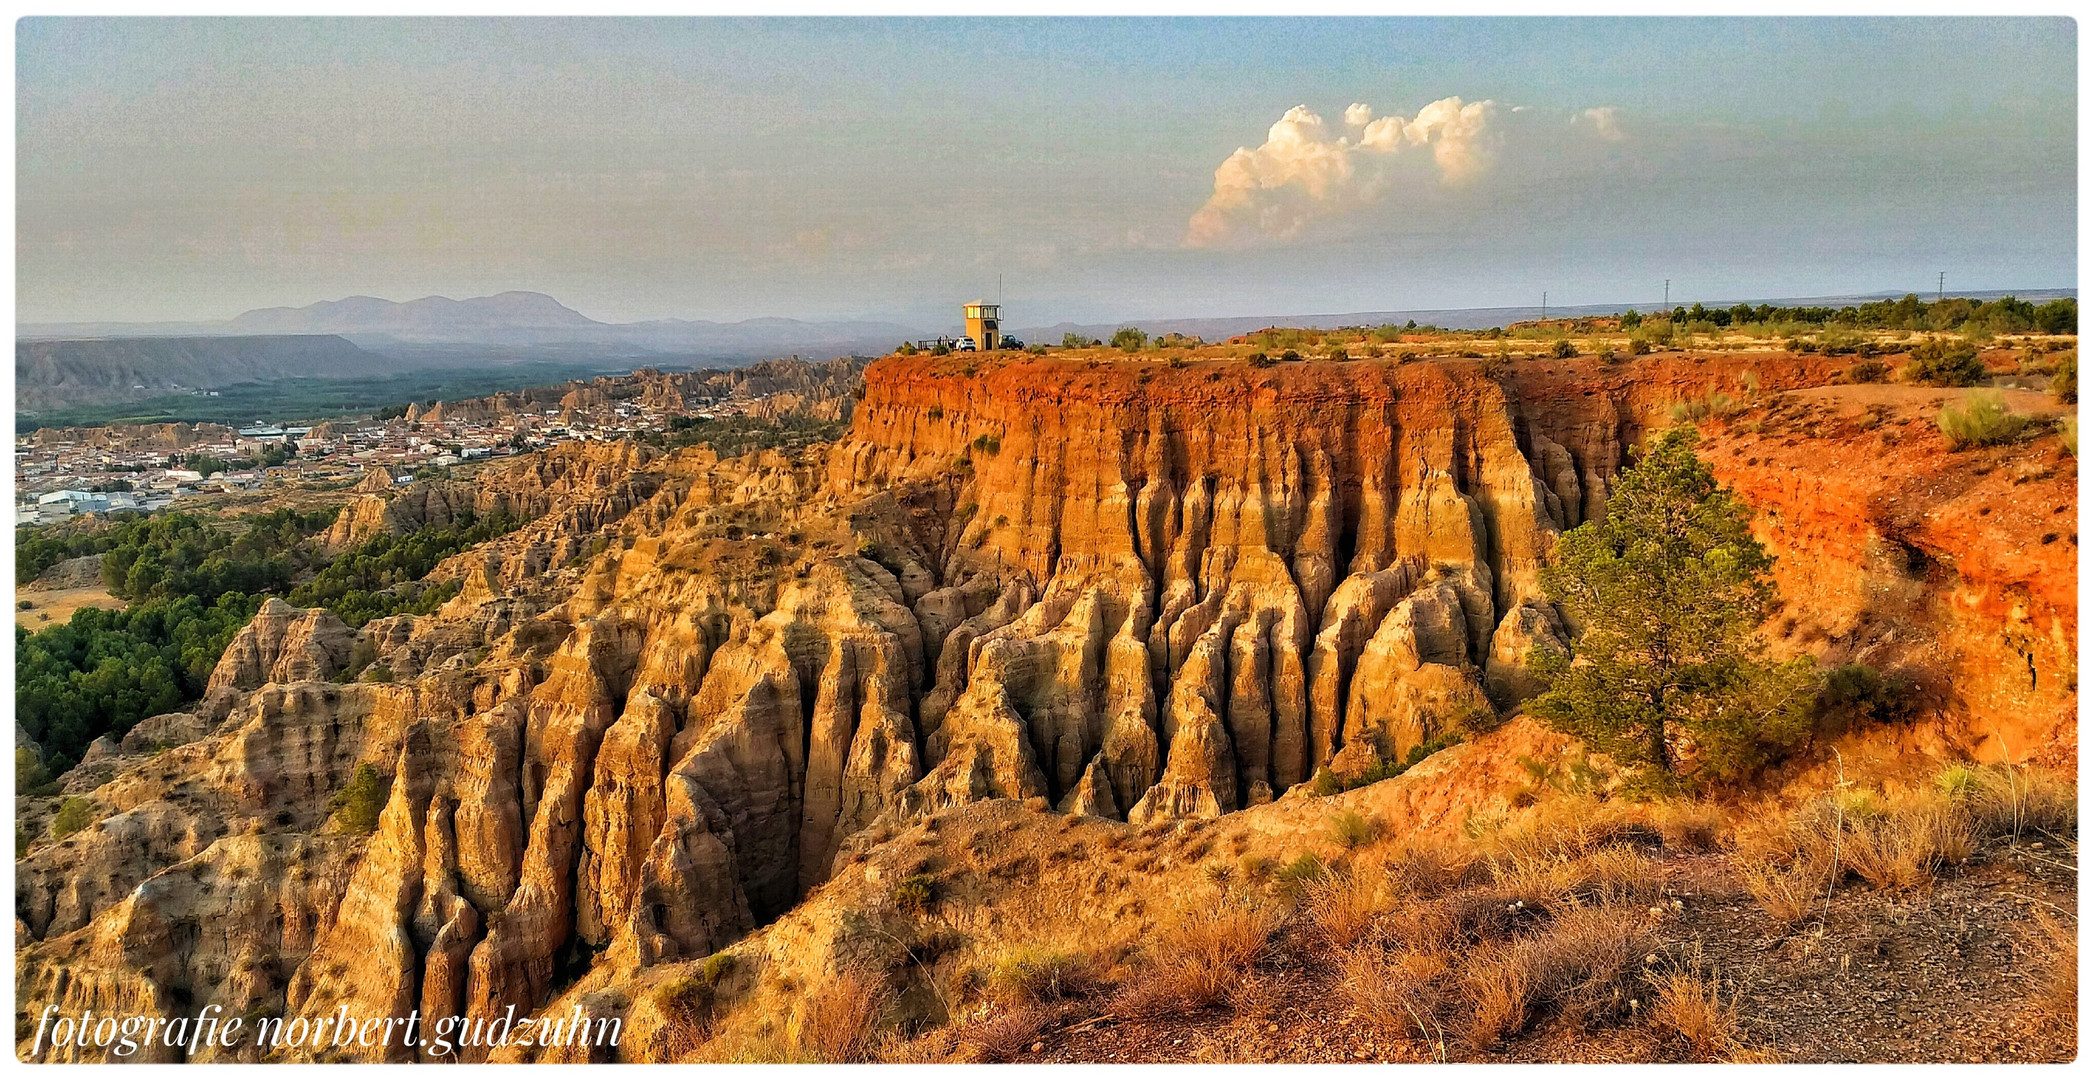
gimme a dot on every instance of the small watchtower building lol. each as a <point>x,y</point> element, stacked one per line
<point>984,325</point>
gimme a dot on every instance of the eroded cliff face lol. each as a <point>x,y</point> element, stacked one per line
<point>658,715</point>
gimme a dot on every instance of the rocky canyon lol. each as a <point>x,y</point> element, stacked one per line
<point>700,706</point>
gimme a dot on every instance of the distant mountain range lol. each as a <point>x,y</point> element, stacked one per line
<point>515,325</point>
<point>431,317</point>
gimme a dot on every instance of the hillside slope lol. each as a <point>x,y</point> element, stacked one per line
<point>57,374</point>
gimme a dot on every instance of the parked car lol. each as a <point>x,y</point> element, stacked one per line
<point>1012,343</point>
<point>965,344</point>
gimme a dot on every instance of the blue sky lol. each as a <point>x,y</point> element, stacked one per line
<point>1106,169</point>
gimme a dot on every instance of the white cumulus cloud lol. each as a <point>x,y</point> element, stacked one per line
<point>1305,171</point>
<point>1604,121</point>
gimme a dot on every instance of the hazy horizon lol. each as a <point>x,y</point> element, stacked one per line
<point>175,170</point>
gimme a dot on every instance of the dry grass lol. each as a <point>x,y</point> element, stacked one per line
<point>1894,842</point>
<point>1689,826</point>
<point>838,1020</point>
<point>1691,1004</point>
<point>1003,1037</point>
<point>2012,801</point>
<point>2056,987</point>
<point>1583,962</point>
<point>1901,846</point>
<point>1787,888</point>
<point>1402,993</point>
<point>1426,867</point>
<point>1343,907</point>
<point>1202,958</point>
<point>1499,990</point>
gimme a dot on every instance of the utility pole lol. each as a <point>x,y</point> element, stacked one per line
<point>1667,294</point>
<point>1544,305</point>
<point>1940,286</point>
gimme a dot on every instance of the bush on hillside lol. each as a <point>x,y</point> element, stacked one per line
<point>1983,419</point>
<point>1938,363</point>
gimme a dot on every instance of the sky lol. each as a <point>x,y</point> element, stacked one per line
<point>172,169</point>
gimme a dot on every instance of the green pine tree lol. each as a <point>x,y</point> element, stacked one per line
<point>1670,676</point>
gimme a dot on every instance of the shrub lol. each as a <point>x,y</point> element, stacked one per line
<point>1078,341</point>
<point>1338,353</point>
<point>1983,419</point>
<point>1290,356</point>
<point>1902,847</point>
<point>685,1000</point>
<point>74,814</point>
<point>1129,339</point>
<point>717,967</point>
<point>1302,871</point>
<point>1564,349</point>
<point>1856,694</point>
<point>1786,883</point>
<point>1260,360</point>
<point>1638,345</point>
<point>2063,381</point>
<point>916,893</point>
<point>1036,975</point>
<point>1688,826</point>
<point>1582,962</point>
<point>1606,354</point>
<point>988,443</point>
<point>32,777</point>
<point>1352,830</point>
<point>2067,433</point>
<point>355,808</point>
<point>1937,363</point>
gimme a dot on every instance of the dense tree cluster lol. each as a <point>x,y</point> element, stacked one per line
<point>2007,315</point>
<point>192,585</point>
<point>180,554</point>
<point>363,583</point>
<point>104,671</point>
